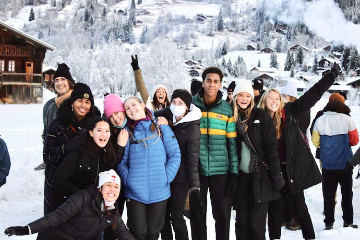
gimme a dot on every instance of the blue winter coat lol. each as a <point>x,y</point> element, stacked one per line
<point>4,162</point>
<point>148,167</point>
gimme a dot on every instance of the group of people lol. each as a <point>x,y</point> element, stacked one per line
<point>249,152</point>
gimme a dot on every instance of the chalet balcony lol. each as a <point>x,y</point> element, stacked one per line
<point>14,51</point>
<point>20,79</point>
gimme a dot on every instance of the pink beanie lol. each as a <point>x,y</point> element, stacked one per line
<point>113,104</point>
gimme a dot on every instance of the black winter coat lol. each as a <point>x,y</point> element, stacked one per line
<point>188,137</point>
<point>262,135</point>
<point>76,172</point>
<point>302,171</point>
<point>80,218</point>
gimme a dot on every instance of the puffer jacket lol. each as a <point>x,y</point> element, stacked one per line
<point>149,166</point>
<point>81,217</point>
<point>4,162</point>
<point>218,152</point>
<point>334,133</point>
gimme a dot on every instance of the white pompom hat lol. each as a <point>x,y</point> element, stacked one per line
<point>108,176</point>
<point>243,85</point>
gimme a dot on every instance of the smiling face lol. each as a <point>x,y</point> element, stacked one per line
<point>243,99</point>
<point>134,109</point>
<point>81,107</point>
<point>101,133</point>
<point>61,85</point>
<point>117,118</point>
<point>272,102</point>
<point>110,191</point>
<point>161,95</point>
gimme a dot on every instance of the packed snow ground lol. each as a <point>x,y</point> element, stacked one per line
<point>21,198</point>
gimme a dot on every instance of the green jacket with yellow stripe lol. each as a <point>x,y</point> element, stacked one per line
<point>218,151</point>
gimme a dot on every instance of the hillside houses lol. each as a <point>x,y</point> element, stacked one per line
<point>296,48</point>
<point>267,50</point>
<point>262,70</point>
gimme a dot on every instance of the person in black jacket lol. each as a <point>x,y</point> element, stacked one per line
<point>185,123</point>
<point>297,162</point>
<point>81,167</point>
<point>258,86</point>
<point>4,162</point>
<point>66,133</point>
<point>259,177</point>
<point>84,215</point>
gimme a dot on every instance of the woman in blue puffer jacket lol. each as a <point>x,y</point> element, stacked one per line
<point>150,163</point>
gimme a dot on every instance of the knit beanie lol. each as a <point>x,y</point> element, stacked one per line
<point>337,97</point>
<point>195,87</point>
<point>108,176</point>
<point>231,87</point>
<point>258,84</point>
<point>160,86</point>
<point>81,90</point>
<point>184,95</point>
<point>243,85</point>
<point>63,71</point>
<point>113,104</point>
<point>290,89</point>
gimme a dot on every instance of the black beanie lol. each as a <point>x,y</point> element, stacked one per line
<point>195,86</point>
<point>81,90</point>
<point>184,95</point>
<point>231,87</point>
<point>257,84</point>
<point>63,71</point>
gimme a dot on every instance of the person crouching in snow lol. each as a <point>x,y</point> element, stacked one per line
<point>84,215</point>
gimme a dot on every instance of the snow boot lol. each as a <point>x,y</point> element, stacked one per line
<point>350,225</point>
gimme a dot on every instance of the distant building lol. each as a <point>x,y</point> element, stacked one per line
<point>190,63</point>
<point>145,12</point>
<point>327,48</point>
<point>48,76</point>
<point>267,50</point>
<point>21,60</point>
<point>326,62</point>
<point>194,73</point>
<point>250,48</point>
<point>278,30</point>
<point>262,70</point>
<point>297,46</point>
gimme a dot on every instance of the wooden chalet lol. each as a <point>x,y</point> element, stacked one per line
<point>21,59</point>
<point>326,63</point>
<point>267,50</point>
<point>48,76</point>
<point>297,46</point>
<point>190,63</point>
<point>250,48</point>
<point>194,73</point>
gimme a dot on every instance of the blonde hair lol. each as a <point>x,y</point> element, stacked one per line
<point>278,114</point>
<point>247,111</point>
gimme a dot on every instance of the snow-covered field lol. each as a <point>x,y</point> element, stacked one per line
<point>21,198</point>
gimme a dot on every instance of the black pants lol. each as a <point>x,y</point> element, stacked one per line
<point>250,216</point>
<point>175,213</point>
<point>331,180</point>
<point>145,221</point>
<point>297,201</point>
<point>220,203</point>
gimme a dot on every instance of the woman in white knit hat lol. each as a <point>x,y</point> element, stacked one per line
<point>259,167</point>
<point>84,215</point>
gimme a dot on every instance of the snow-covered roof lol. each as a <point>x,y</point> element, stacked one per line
<point>340,86</point>
<point>264,69</point>
<point>46,68</point>
<point>28,37</point>
<point>352,80</point>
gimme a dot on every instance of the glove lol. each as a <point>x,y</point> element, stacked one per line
<point>134,63</point>
<point>81,131</point>
<point>335,70</point>
<point>196,205</point>
<point>18,231</point>
<point>349,167</point>
<point>231,185</point>
<point>278,182</point>
<point>76,142</point>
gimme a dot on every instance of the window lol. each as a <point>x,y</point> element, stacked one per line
<point>1,40</point>
<point>2,65</point>
<point>11,67</point>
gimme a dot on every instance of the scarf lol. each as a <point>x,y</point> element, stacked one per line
<point>254,159</point>
<point>60,99</point>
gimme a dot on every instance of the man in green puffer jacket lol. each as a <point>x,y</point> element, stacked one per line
<point>218,166</point>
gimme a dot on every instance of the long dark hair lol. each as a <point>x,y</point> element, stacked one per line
<point>92,149</point>
<point>156,103</point>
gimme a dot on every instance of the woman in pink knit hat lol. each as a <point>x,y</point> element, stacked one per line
<point>115,112</point>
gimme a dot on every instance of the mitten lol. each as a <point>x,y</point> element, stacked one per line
<point>18,231</point>
<point>134,63</point>
<point>278,182</point>
<point>231,185</point>
<point>349,167</point>
<point>196,205</point>
<point>75,143</point>
<point>335,70</point>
